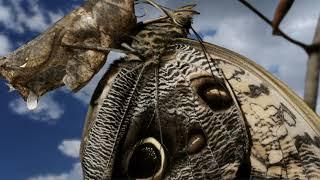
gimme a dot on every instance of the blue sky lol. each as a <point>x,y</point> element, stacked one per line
<point>44,144</point>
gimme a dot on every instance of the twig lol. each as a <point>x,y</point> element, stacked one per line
<point>308,48</point>
<point>312,75</point>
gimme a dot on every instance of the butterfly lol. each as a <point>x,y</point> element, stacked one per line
<point>193,110</point>
<point>177,108</point>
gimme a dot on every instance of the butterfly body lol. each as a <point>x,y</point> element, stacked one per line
<point>152,39</point>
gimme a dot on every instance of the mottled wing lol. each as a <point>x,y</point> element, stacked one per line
<point>137,100</point>
<point>284,131</point>
<point>71,51</point>
<point>251,125</point>
<point>107,120</point>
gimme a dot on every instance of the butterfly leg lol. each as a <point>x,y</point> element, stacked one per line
<point>130,52</point>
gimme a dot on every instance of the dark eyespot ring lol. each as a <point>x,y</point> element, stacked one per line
<point>147,160</point>
<point>196,141</point>
<point>213,92</point>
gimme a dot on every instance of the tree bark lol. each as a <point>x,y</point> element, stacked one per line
<point>312,75</point>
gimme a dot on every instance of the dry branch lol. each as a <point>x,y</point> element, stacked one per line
<point>308,48</point>
<point>280,12</point>
<point>312,76</point>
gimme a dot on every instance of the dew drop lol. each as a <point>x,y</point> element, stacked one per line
<point>32,101</point>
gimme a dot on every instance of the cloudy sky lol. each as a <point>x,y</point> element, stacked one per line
<point>44,144</point>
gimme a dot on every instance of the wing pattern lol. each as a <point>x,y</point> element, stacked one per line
<point>268,132</point>
<point>283,131</point>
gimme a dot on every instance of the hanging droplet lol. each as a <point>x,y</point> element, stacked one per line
<point>32,101</point>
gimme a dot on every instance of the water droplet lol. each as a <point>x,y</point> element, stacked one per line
<point>32,101</point>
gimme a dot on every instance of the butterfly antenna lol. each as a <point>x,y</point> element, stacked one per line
<point>145,12</point>
<point>165,10</point>
<point>226,84</point>
<point>156,5</point>
<point>208,57</point>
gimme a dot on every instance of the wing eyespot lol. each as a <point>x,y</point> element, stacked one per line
<point>213,92</point>
<point>196,141</point>
<point>147,160</point>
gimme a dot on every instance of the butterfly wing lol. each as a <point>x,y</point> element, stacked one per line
<point>104,122</point>
<point>284,131</point>
<point>130,105</point>
<point>251,124</point>
<point>68,52</point>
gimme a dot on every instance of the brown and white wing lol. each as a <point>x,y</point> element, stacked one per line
<point>284,131</point>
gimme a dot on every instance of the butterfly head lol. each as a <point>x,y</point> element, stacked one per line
<point>182,16</point>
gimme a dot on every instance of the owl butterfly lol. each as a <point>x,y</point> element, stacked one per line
<point>183,109</point>
<point>177,108</point>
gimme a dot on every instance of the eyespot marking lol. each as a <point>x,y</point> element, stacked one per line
<point>196,141</point>
<point>147,160</point>
<point>213,92</point>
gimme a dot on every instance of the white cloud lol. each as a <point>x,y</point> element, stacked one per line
<point>74,174</point>
<point>4,13</point>
<point>15,18</point>
<point>5,44</point>
<point>37,21</point>
<point>70,148</point>
<point>48,109</point>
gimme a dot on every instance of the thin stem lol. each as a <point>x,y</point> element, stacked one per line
<point>306,47</point>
